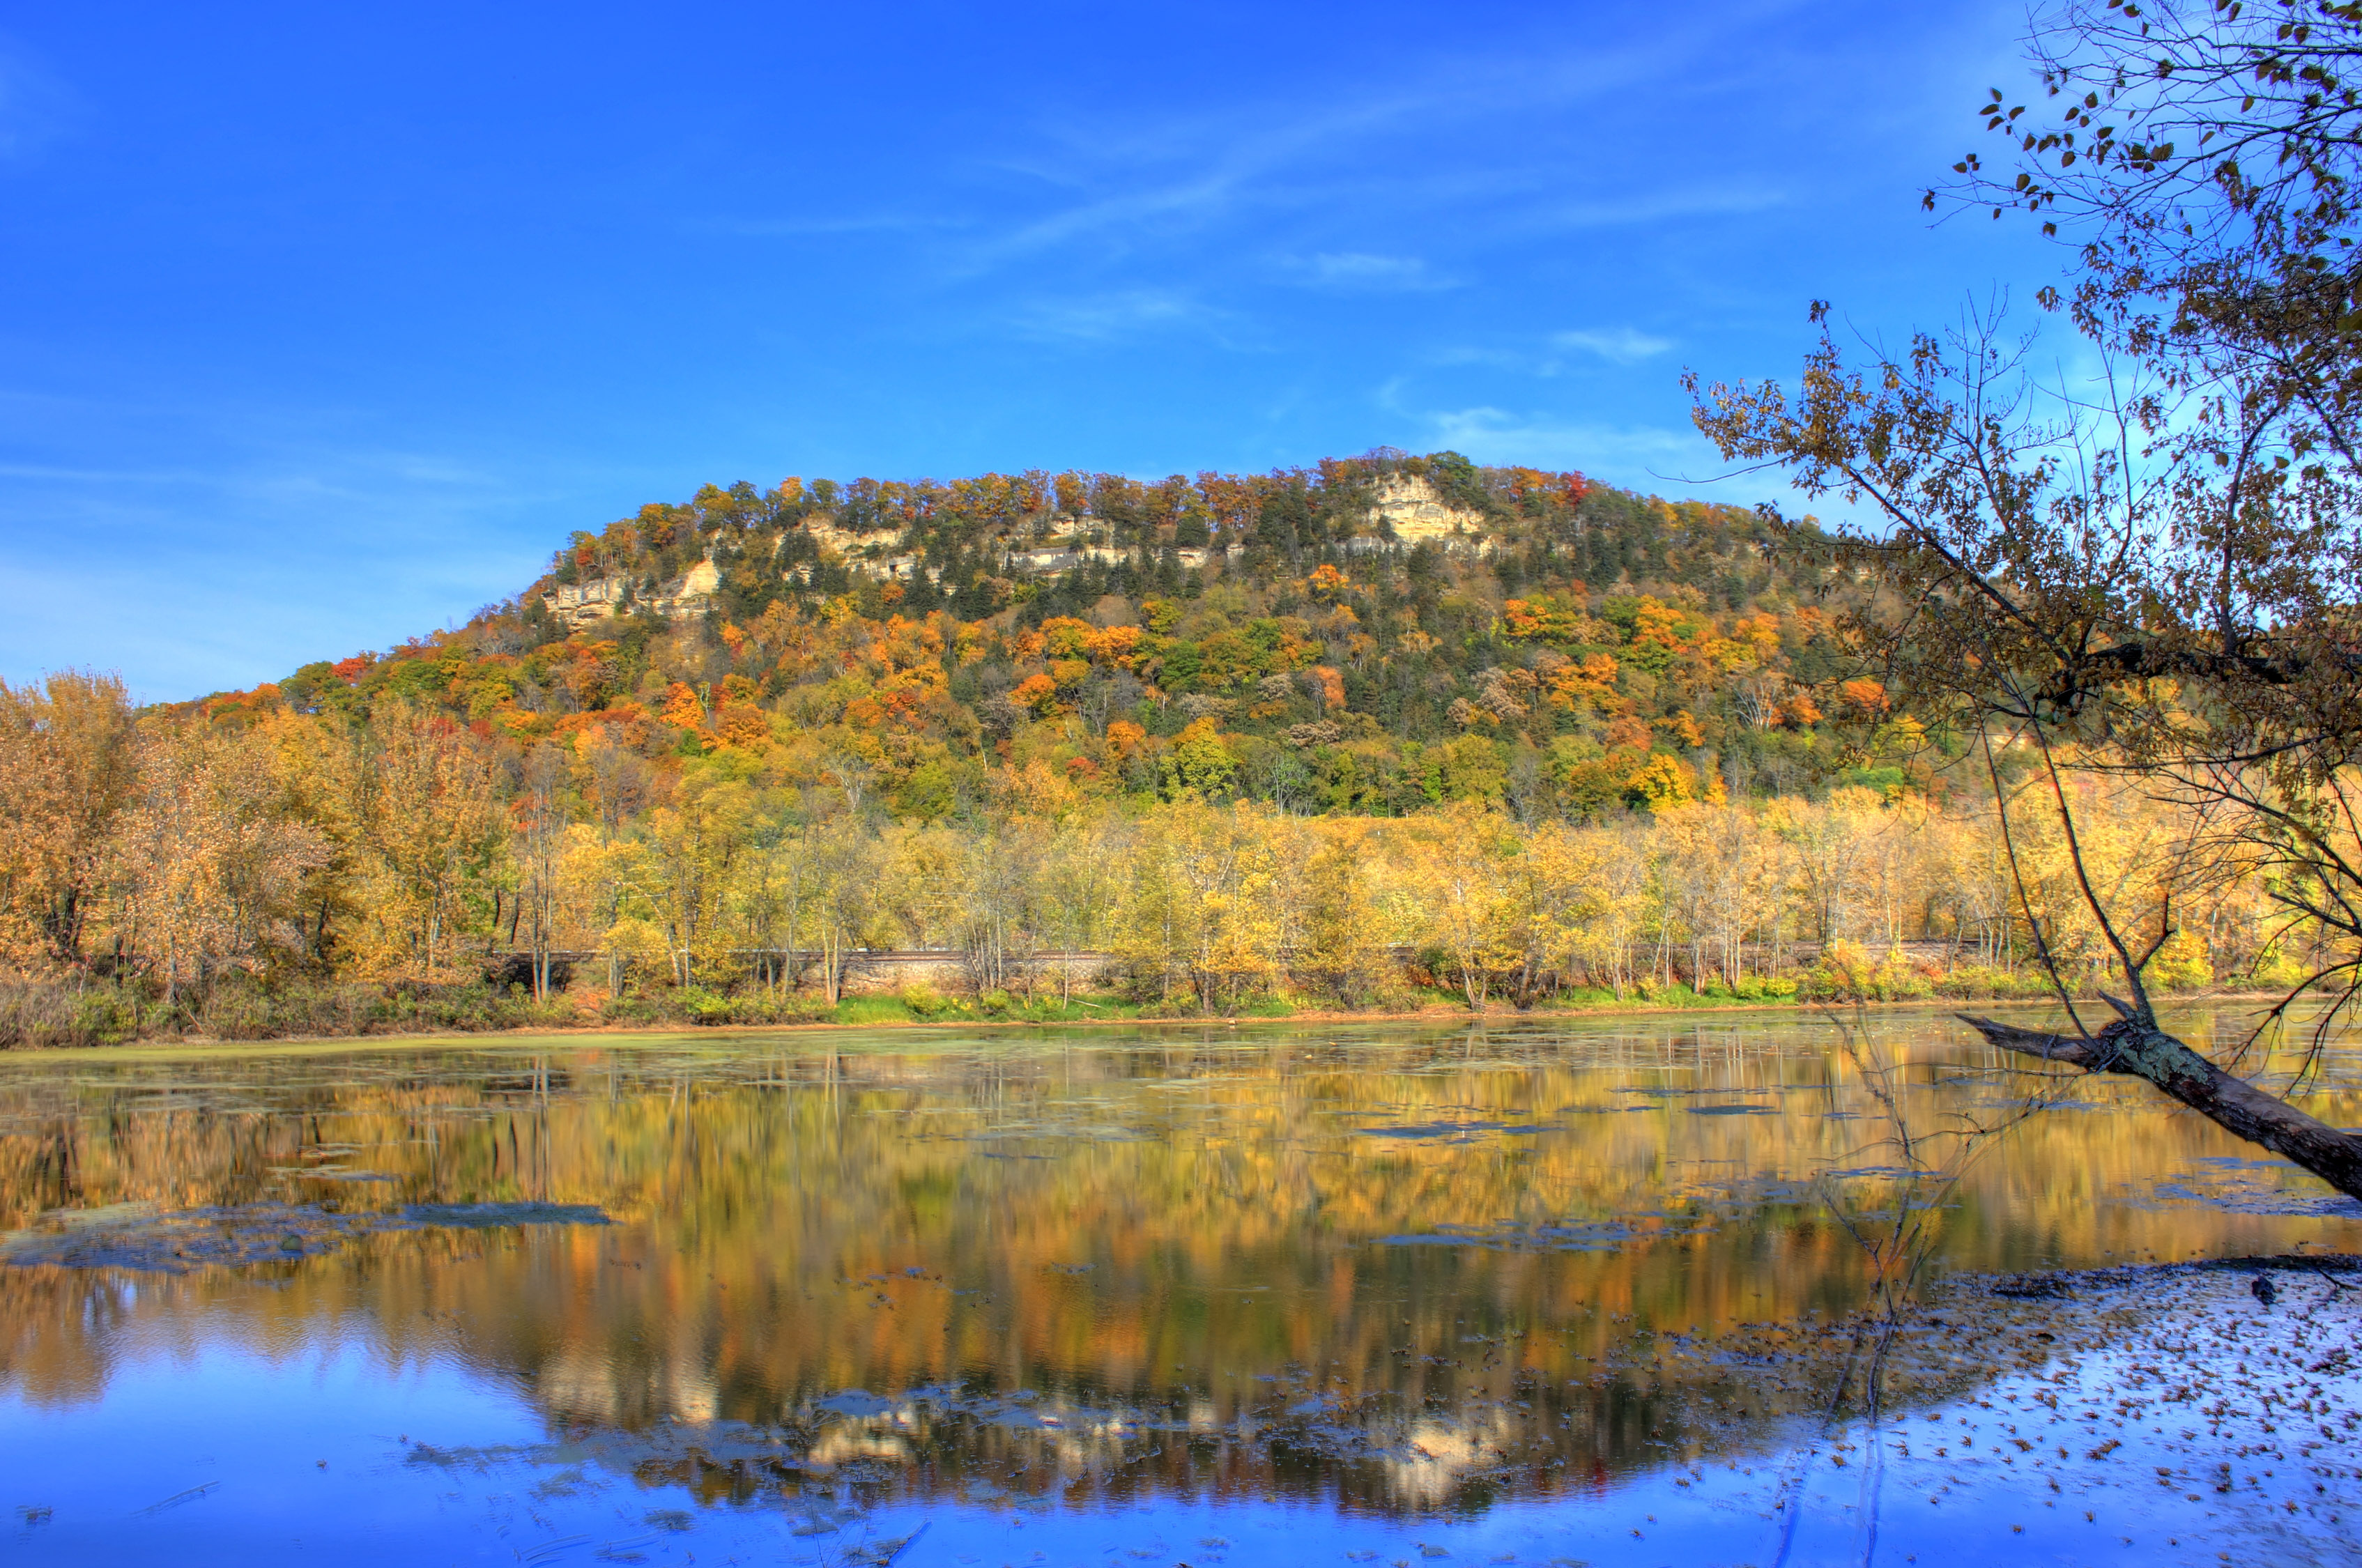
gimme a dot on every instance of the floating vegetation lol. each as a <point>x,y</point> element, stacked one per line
<point>1597,1236</point>
<point>1450,1132</point>
<point>143,1237</point>
<point>2236,1186</point>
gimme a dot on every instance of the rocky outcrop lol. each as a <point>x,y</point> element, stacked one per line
<point>585,603</point>
<point>1066,555</point>
<point>579,604</point>
<point>1405,510</point>
<point>1409,505</point>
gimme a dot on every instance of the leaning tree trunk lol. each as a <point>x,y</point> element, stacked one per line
<point>2134,1045</point>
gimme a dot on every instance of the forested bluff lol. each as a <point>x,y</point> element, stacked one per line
<point>1389,732</point>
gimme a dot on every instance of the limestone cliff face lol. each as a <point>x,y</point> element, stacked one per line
<point>696,589</point>
<point>1411,506</point>
<point>1405,510</point>
<point>579,604</point>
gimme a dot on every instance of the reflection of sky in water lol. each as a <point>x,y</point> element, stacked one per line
<point>1056,1301</point>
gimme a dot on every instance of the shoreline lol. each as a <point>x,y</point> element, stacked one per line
<point>592,1032</point>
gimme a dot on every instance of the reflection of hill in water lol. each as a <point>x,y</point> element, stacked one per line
<point>1407,1268</point>
<point>1385,1448</point>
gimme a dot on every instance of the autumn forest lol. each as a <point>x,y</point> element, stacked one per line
<point>1390,731</point>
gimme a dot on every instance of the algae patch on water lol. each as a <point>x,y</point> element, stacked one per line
<point>146,1237</point>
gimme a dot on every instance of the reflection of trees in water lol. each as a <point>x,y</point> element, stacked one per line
<point>1176,1234</point>
<point>1372,1451</point>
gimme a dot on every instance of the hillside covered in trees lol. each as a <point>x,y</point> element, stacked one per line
<point>1372,635</point>
<point>1387,728</point>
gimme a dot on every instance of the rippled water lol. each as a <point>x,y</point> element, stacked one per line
<point>1209,1295</point>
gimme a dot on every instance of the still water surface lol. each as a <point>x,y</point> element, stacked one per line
<point>1331,1294</point>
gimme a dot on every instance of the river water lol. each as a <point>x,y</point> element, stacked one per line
<point>1580,1291</point>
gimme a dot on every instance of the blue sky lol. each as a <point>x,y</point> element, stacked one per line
<point>320,325</point>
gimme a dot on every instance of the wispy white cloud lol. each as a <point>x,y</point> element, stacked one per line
<point>1186,202</point>
<point>1620,345</point>
<point>1324,154</point>
<point>1640,451</point>
<point>1116,314</point>
<point>1666,204</point>
<point>1523,361</point>
<point>1560,352</point>
<point>1360,271</point>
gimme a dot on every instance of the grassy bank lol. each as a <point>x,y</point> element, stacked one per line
<point>43,1015</point>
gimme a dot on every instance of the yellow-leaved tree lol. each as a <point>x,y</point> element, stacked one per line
<point>420,823</point>
<point>1457,871</point>
<point>68,769</point>
<point>1342,950</point>
<point>1201,914</point>
<point>213,868</point>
